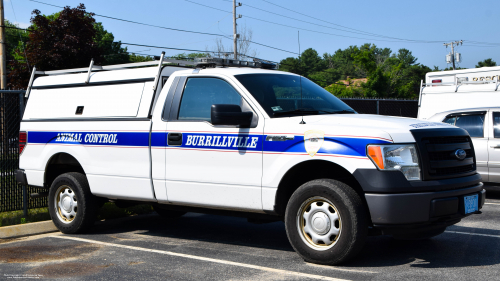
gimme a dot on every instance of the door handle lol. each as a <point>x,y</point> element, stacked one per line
<point>174,139</point>
<point>495,146</point>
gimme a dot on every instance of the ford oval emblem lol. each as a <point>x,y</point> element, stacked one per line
<point>460,154</point>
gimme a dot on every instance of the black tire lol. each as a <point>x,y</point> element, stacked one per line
<point>422,235</point>
<point>87,205</point>
<point>340,199</point>
<point>168,214</point>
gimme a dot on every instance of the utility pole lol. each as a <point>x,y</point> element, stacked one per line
<point>452,44</point>
<point>235,34</point>
<point>3,50</point>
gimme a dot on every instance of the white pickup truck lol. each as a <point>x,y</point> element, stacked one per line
<point>234,138</point>
<point>468,99</point>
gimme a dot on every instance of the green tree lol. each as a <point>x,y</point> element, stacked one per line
<point>111,51</point>
<point>486,62</point>
<point>16,38</point>
<point>66,39</point>
<point>390,75</point>
<point>182,56</point>
<point>57,42</point>
<point>290,64</point>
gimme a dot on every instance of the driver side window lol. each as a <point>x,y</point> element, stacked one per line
<point>199,95</point>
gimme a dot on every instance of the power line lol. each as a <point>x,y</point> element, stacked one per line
<point>168,48</point>
<point>367,33</point>
<point>315,31</point>
<point>355,32</point>
<point>167,28</point>
<point>135,22</point>
<point>12,27</point>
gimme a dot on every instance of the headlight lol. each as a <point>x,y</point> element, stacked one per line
<point>401,157</point>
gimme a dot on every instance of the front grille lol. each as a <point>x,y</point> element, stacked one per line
<point>446,140</point>
<point>454,170</point>
<point>447,155</point>
<point>437,149</point>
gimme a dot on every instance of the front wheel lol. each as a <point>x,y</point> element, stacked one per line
<point>326,222</point>
<point>72,206</point>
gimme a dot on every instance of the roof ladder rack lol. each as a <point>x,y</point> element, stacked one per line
<point>160,63</point>
<point>30,84</point>
<point>90,70</point>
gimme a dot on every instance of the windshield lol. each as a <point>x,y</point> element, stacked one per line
<point>280,95</point>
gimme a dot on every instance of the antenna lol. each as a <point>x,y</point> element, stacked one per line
<point>300,78</point>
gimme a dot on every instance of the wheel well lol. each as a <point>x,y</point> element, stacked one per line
<point>59,164</point>
<point>311,170</point>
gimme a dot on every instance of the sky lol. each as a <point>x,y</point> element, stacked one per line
<point>325,26</point>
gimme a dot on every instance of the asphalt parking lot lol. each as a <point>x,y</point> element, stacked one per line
<point>207,247</point>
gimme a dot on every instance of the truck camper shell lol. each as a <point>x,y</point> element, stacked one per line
<point>450,90</point>
<point>136,85</point>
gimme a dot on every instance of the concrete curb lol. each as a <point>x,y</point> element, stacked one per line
<point>27,229</point>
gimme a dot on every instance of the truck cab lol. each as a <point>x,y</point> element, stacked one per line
<point>238,138</point>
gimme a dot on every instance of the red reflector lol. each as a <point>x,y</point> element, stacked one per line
<point>437,81</point>
<point>23,137</point>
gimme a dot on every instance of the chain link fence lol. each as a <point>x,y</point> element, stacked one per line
<point>13,196</point>
<point>391,107</point>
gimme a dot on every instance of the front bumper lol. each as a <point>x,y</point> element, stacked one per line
<point>417,208</point>
<point>394,201</point>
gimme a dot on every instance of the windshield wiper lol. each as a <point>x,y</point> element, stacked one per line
<point>294,111</point>
<point>337,111</point>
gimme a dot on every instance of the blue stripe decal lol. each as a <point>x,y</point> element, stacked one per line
<point>158,139</point>
<point>242,142</point>
<point>91,138</point>
<point>337,145</point>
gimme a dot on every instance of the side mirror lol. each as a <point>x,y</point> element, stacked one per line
<point>230,114</point>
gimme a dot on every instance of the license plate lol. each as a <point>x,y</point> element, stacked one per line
<point>471,203</point>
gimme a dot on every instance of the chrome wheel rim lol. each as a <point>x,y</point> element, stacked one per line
<point>319,223</point>
<point>66,204</point>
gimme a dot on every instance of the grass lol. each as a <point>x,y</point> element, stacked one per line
<point>17,217</point>
<point>108,211</point>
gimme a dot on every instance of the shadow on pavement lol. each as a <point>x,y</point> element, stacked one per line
<point>492,192</point>
<point>209,228</point>
<point>447,250</point>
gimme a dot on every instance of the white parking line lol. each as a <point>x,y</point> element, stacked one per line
<point>476,234</point>
<point>492,203</point>
<point>337,268</point>
<point>281,271</point>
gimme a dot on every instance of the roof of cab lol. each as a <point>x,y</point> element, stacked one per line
<point>234,71</point>
<point>459,110</point>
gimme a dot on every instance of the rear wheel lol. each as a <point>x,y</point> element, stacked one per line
<point>326,221</point>
<point>72,206</point>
